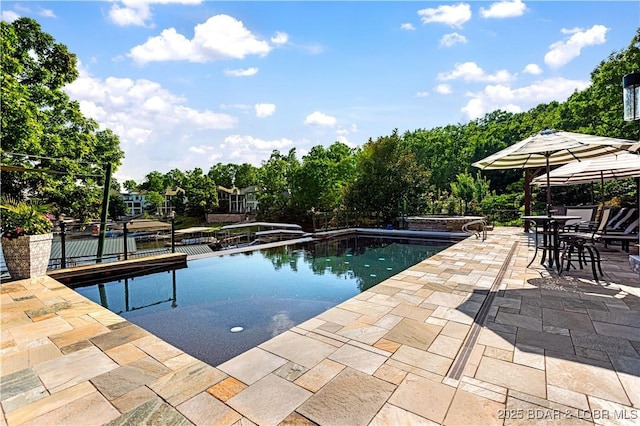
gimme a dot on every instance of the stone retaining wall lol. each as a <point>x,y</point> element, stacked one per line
<point>225,217</point>
<point>439,223</point>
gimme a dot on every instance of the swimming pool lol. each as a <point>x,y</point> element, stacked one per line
<point>264,291</point>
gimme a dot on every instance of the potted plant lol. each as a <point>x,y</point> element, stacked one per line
<point>26,237</point>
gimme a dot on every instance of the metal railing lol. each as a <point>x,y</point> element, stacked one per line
<point>77,244</point>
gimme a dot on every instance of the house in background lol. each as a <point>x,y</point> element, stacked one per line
<point>236,200</point>
<point>251,198</point>
<point>170,195</point>
<point>135,202</point>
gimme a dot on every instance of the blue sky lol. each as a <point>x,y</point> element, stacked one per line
<point>190,83</point>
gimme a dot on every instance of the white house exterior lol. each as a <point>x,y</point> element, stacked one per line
<point>135,202</point>
<point>236,200</point>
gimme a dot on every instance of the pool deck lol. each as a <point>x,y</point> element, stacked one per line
<point>468,336</point>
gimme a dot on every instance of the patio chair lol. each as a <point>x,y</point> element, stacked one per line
<point>587,215</point>
<point>584,243</point>
<point>623,221</point>
<point>625,237</point>
<point>617,216</point>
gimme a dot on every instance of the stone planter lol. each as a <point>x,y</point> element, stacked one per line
<point>27,256</point>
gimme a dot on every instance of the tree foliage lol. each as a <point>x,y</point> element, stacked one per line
<point>320,181</point>
<point>275,184</point>
<point>43,129</point>
<point>387,176</point>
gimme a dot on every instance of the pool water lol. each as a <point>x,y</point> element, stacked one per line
<point>265,292</point>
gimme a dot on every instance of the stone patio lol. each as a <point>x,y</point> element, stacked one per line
<point>468,336</point>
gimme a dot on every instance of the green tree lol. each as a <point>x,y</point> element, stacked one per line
<point>66,150</point>
<point>153,200</point>
<point>174,178</point>
<point>274,180</point>
<point>130,185</point>
<point>200,192</point>
<point>598,109</point>
<point>387,176</point>
<point>320,181</point>
<point>117,207</point>
<point>154,181</point>
<point>223,174</point>
<point>464,189</point>
<point>246,175</point>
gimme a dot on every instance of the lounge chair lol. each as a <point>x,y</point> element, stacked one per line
<point>617,216</point>
<point>622,222</point>
<point>625,237</point>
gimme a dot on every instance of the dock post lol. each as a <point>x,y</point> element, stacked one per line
<point>173,232</point>
<point>63,244</point>
<point>125,236</point>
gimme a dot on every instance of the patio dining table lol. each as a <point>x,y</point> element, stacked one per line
<point>549,227</point>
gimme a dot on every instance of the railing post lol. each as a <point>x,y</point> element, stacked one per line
<point>173,234</point>
<point>63,245</point>
<point>125,241</point>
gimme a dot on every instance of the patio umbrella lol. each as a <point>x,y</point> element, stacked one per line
<point>553,147</point>
<point>603,169</point>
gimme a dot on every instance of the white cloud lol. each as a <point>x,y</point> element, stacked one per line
<point>443,89</point>
<point>454,16</point>
<point>9,16</point>
<point>313,48</point>
<point>211,153</point>
<point>280,38</point>
<point>265,110</point>
<point>242,73</point>
<point>138,12</point>
<point>449,40</point>
<point>47,13</point>
<point>220,37</point>
<point>345,131</point>
<point>570,30</point>
<point>503,97</point>
<point>319,119</point>
<point>407,27</point>
<point>532,69</point>
<point>422,94</point>
<point>343,139</point>
<point>470,71</point>
<point>248,149</point>
<point>504,9</point>
<point>562,52</point>
<point>155,127</point>
<point>242,107</point>
<point>125,16</point>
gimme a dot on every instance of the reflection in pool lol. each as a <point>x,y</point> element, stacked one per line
<point>264,291</point>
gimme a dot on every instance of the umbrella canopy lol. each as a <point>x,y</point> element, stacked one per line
<point>551,147</point>
<point>603,169</point>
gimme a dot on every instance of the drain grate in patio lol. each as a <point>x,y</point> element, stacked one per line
<point>456,370</point>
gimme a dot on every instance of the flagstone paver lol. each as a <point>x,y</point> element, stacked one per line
<point>588,377</point>
<point>269,400</point>
<point>551,350</point>
<point>352,397</point>
<point>414,392</point>
<point>252,365</point>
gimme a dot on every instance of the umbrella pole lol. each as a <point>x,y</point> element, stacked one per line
<point>548,187</point>
<point>602,187</point>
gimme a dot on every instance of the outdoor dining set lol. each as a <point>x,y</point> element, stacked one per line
<point>565,236</point>
<point>579,231</point>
